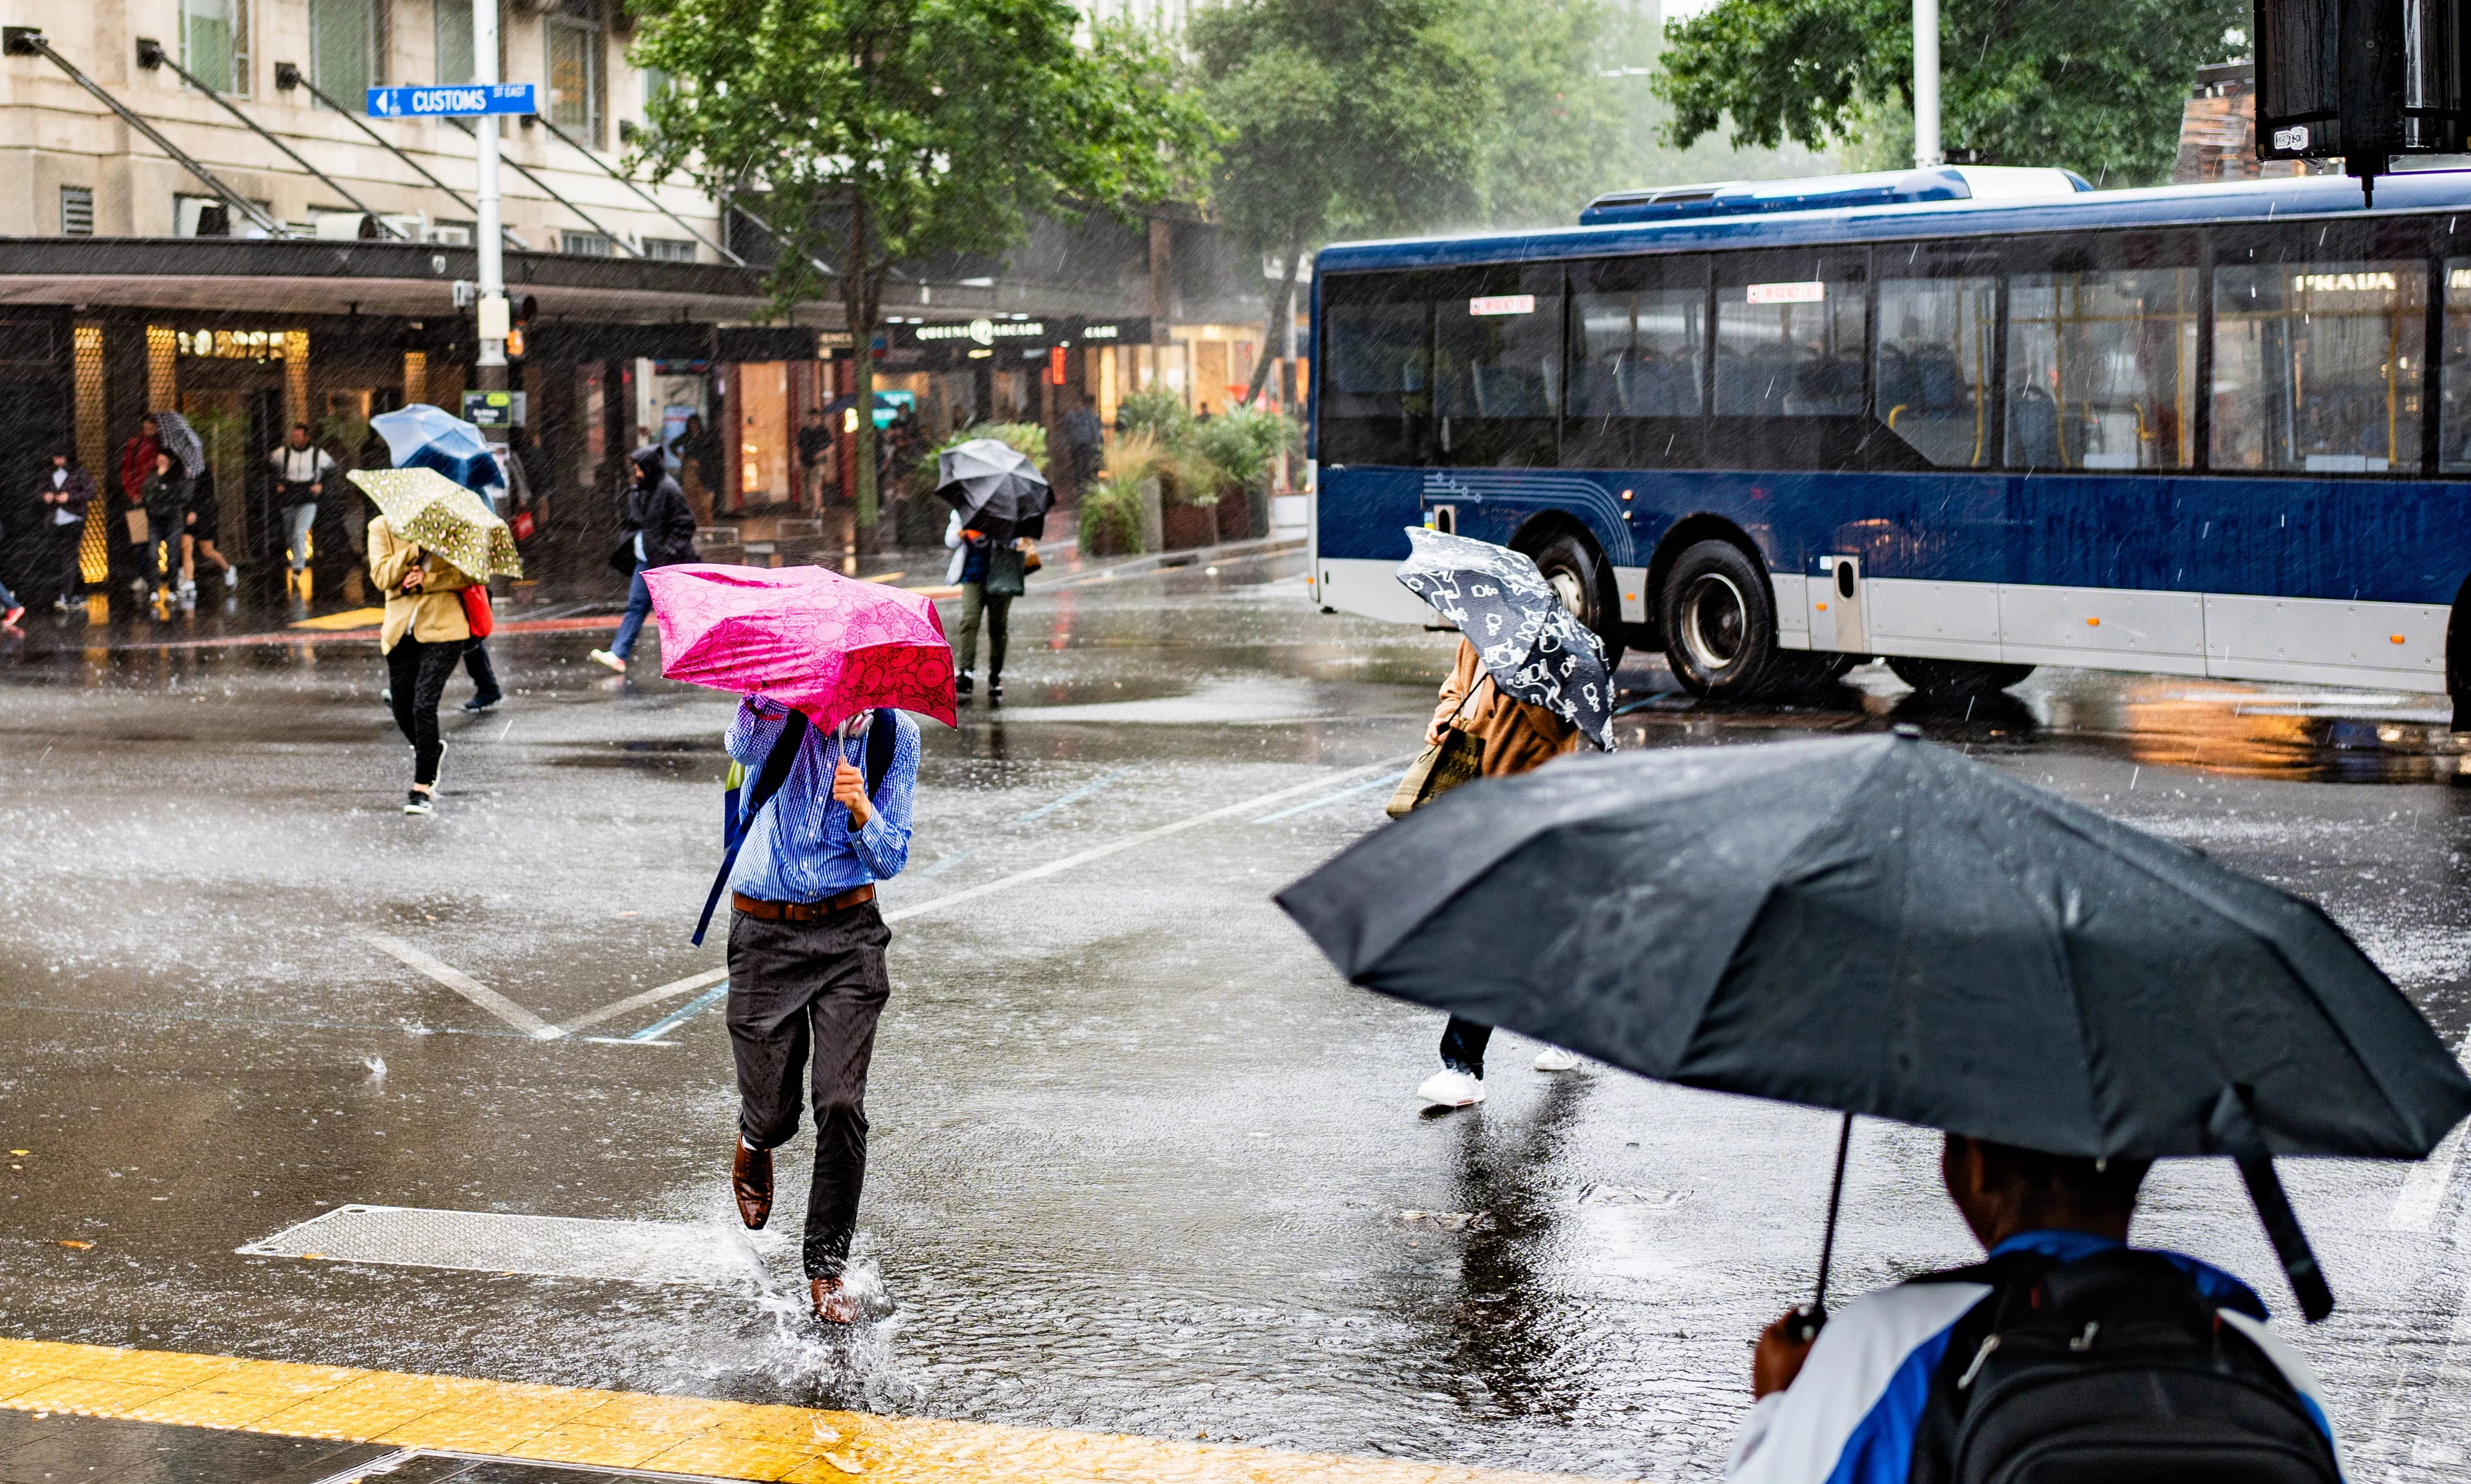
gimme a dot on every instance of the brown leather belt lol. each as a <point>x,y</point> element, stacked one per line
<point>801,912</point>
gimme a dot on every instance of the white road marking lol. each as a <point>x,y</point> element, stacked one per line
<point>469,988</point>
<point>654,995</point>
<point>1310,805</point>
<point>2424,1187</point>
<point>1143,837</point>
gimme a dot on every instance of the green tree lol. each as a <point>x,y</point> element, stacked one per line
<point>865,133</point>
<point>1553,140</point>
<point>2092,87</point>
<point>1364,117</point>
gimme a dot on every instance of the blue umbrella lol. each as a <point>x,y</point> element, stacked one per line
<point>422,436</point>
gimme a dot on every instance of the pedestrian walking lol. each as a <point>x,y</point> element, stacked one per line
<point>204,525</point>
<point>661,535</point>
<point>167,513</point>
<point>806,976</point>
<point>64,491</point>
<point>130,547</point>
<point>300,473</point>
<point>1085,438</point>
<point>2066,1345</point>
<point>815,455</point>
<point>424,635</point>
<point>991,575</point>
<point>699,465</point>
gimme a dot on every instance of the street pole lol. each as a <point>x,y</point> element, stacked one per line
<point>1926,150</point>
<point>495,321</point>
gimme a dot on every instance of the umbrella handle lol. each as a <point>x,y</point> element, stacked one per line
<point>1812,1317</point>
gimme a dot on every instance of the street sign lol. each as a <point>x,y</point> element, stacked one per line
<point>433,102</point>
<point>493,410</point>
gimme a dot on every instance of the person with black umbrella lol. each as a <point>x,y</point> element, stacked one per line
<point>999,503</point>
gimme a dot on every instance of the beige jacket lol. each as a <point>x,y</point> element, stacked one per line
<point>1516,737</point>
<point>434,614</point>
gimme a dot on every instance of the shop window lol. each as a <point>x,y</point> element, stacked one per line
<point>1938,339</point>
<point>2102,364</point>
<point>456,62</point>
<point>346,48</point>
<point>77,211</point>
<point>2318,365</point>
<point>214,43</point>
<point>1638,363</point>
<point>577,76</point>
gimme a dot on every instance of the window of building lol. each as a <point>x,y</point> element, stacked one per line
<point>346,48</point>
<point>455,61</point>
<point>2102,368</point>
<point>590,245</point>
<point>77,211</point>
<point>1939,341</point>
<point>2318,365</point>
<point>669,249</point>
<point>1638,363</point>
<point>578,79</point>
<point>1377,396</point>
<point>214,43</point>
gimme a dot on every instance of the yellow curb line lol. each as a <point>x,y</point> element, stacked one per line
<point>727,1440</point>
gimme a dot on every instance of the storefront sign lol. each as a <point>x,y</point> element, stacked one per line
<point>982,331</point>
<point>232,345</point>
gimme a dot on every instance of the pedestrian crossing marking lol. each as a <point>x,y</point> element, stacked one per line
<point>617,1430</point>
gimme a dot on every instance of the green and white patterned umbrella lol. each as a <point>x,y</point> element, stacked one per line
<point>432,512</point>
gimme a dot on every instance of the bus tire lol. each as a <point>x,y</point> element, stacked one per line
<point>1957,679</point>
<point>1718,613</point>
<point>1584,585</point>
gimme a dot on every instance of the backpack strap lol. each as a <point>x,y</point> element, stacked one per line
<point>768,782</point>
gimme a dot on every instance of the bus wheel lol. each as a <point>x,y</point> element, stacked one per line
<point>1942,679</point>
<point>1719,613</point>
<point>1583,584</point>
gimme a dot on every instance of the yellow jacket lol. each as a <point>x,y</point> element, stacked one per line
<point>433,613</point>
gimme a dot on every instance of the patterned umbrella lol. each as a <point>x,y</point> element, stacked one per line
<point>829,645</point>
<point>175,437</point>
<point>1535,649</point>
<point>432,511</point>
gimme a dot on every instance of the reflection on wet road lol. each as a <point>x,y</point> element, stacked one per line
<point>1141,1163</point>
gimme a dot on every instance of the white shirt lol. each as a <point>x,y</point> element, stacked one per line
<point>63,515</point>
<point>301,465</point>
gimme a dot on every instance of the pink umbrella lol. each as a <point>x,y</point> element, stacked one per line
<point>829,645</point>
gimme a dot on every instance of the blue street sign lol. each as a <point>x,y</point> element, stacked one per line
<point>432,103</point>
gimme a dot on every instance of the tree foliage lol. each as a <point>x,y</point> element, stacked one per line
<point>2096,88</point>
<point>865,133</point>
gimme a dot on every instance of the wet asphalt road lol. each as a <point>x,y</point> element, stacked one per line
<point>1139,1159</point>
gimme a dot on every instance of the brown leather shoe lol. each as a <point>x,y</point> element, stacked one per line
<point>833,1304</point>
<point>751,1180</point>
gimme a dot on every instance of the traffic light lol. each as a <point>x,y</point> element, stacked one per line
<point>525,308</point>
<point>2361,81</point>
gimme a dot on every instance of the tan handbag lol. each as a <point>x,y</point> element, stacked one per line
<point>137,528</point>
<point>1442,765</point>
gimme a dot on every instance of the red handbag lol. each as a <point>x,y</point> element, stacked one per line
<point>523,524</point>
<point>476,613</point>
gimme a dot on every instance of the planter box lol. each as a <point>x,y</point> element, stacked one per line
<point>1188,526</point>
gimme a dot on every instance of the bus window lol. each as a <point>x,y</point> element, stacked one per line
<point>1638,363</point>
<point>1497,367</point>
<point>1376,397</point>
<point>2454,445</point>
<point>1937,345</point>
<point>2318,365</point>
<point>1790,359</point>
<point>2102,370</point>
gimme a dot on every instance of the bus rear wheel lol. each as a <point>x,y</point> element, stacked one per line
<point>1720,631</point>
<point>1955,679</point>
<point>1578,577</point>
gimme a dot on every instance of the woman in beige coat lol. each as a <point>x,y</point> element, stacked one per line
<point>425,635</point>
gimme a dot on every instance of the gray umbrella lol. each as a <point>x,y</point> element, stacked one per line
<point>175,437</point>
<point>1879,926</point>
<point>1535,649</point>
<point>995,486</point>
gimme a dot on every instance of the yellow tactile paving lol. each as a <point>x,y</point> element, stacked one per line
<point>726,1440</point>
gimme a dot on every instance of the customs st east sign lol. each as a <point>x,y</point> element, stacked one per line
<point>436,103</point>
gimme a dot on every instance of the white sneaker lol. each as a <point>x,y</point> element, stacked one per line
<point>1554,1059</point>
<point>1448,1089</point>
<point>231,577</point>
<point>605,657</point>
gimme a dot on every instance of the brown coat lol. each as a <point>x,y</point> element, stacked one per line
<point>1516,736</point>
<point>432,615</point>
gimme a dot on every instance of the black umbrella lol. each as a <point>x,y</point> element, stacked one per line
<point>1879,926</point>
<point>995,486</point>
<point>1535,649</point>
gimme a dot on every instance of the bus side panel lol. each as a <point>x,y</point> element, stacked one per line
<point>1361,515</point>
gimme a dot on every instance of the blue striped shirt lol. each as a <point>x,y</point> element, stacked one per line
<point>799,847</point>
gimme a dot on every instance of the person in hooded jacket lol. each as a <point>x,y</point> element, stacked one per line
<point>167,515</point>
<point>664,529</point>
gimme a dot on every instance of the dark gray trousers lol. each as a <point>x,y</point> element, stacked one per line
<point>802,991</point>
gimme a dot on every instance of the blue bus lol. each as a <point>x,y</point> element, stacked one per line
<point>1970,421</point>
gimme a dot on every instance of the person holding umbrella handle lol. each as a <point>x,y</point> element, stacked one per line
<point>423,637</point>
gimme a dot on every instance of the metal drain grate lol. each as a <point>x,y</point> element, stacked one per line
<point>481,1241</point>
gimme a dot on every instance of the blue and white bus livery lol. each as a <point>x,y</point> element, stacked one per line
<point>2215,431</point>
